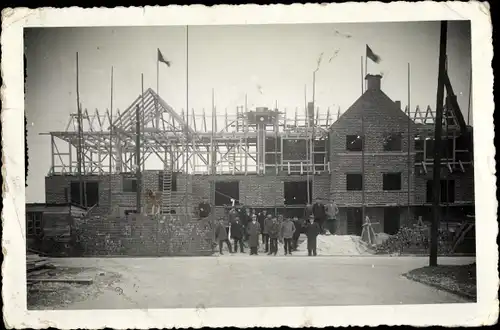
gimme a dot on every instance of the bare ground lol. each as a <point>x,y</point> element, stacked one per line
<point>52,295</point>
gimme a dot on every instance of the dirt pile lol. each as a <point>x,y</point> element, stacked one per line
<point>329,245</point>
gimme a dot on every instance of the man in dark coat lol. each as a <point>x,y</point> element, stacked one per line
<point>268,221</point>
<point>296,234</point>
<point>274,233</point>
<point>260,218</point>
<point>312,232</point>
<point>221,236</point>
<point>287,230</point>
<point>253,230</point>
<point>319,213</point>
<point>237,231</point>
<point>232,215</point>
<point>204,208</point>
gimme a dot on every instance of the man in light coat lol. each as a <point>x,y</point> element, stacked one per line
<point>331,212</point>
<point>222,237</point>
<point>287,230</point>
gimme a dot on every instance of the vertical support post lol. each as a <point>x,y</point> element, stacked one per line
<point>187,121</point>
<point>111,143</point>
<point>70,151</point>
<point>409,148</point>
<point>143,120</point>
<point>138,157</point>
<point>79,118</point>
<point>52,154</point>
<point>363,180</point>
<point>437,146</point>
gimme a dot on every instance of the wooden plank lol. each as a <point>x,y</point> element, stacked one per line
<point>38,265</point>
<point>61,280</point>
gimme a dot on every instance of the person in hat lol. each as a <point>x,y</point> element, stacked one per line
<point>204,208</point>
<point>308,210</point>
<point>237,231</point>
<point>261,217</point>
<point>331,212</point>
<point>296,234</point>
<point>319,213</point>
<point>287,230</point>
<point>253,230</point>
<point>268,221</point>
<point>221,236</point>
<point>312,232</point>
<point>274,233</point>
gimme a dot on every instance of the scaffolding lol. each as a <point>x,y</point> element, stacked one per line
<point>256,141</point>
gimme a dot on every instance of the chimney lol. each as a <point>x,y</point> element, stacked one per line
<point>398,104</point>
<point>373,81</point>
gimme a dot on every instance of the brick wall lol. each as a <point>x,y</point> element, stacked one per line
<point>260,190</point>
<point>464,184</point>
<point>381,116</point>
<point>139,235</point>
<point>108,234</point>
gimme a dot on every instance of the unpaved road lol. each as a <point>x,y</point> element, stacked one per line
<point>245,281</point>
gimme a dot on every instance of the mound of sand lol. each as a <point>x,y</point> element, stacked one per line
<point>337,245</point>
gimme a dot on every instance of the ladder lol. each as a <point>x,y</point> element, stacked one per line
<point>166,195</point>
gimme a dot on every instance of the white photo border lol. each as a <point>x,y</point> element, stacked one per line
<point>16,315</point>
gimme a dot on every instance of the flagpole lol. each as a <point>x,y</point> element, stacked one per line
<point>366,71</point>
<point>111,140</point>
<point>362,77</point>
<point>157,121</point>
<point>187,117</point>
<point>307,140</point>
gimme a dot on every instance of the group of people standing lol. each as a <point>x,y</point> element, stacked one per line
<point>248,228</point>
<point>324,214</point>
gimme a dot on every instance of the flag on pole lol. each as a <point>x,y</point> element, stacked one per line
<point>371,55</point>
<point>162,59</point>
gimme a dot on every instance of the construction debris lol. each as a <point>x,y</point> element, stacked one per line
<point>35,262</point>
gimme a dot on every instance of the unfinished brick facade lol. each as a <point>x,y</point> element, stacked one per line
<point>373,115</point>
<point>377,116</point>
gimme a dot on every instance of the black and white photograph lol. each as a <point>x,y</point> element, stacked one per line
<point>242,166</point>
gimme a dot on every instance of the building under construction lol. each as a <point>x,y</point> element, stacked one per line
<point>376,158</point>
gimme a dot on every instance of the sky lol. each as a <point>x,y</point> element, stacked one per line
<point>268,63</point>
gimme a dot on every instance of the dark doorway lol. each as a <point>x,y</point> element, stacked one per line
<point>391,220</point>
<point>225,191</point>
<point>296,192</point>
<point>354,221</point>
<point>90,191</point>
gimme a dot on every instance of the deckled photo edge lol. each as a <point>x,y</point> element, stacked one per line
<point>13,244</point>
